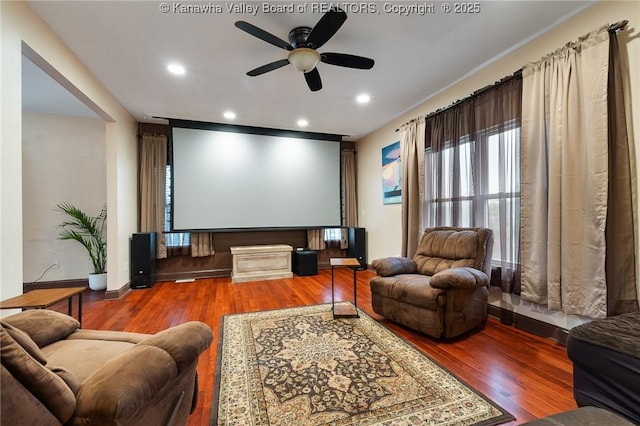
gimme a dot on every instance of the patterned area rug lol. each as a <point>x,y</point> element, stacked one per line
<point>301,367</point>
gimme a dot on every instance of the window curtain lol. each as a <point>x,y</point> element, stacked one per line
<point>450,167</point>
<point>349,200</point>
<point>412,145</point>
<point>202,244</point>
<point>498,114</point>
<point>317,239</point>
<point>567,181</point>
<point>622,289</point>
<point>472,171</point>
<point>153,164</point>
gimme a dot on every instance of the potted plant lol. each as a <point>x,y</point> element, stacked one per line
<point>88,231</point>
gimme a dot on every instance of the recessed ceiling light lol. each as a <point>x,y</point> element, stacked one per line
<point>363,98</point>
<point>302,122</point>
<point>229,115</point>
<point>176,69</point>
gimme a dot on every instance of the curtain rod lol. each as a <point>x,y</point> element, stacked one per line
<point>516,74</point>
<point>618,26</point>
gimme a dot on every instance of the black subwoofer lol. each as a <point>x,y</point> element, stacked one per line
<point>305,262</point>
<point>357,246</point>
<point>143,260</point>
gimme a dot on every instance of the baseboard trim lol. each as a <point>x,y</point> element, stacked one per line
<point>80,282</point>
<point>117,294</point>
<point>210,273</point>
<point>529,325</point>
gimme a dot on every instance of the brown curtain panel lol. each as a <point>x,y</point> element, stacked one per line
<point>450,166</point>
<point>153,166</point>
<point>498,113</point>
<point>350,209</point>
<point>315,239</point>
<point>622,294</point>
<point>472,171</point>
<point>202,244</point>
<point>412,165</point>
<point>349,200</point>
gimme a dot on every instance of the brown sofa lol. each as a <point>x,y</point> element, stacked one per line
<point>443,290</point>
<point>54,373</point>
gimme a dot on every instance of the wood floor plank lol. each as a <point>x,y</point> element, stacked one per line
<point>529,376</point>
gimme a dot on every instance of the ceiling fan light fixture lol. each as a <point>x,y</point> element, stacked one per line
<point>363,98</point>
<point>175,68</point>
<point>304,59</point>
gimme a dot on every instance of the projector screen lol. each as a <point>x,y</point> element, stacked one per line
<point>225,180</point>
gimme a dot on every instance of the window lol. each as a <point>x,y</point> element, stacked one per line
<point>449,199</point>
<point>173,239</point>
<point>333,234</point>
<point>499,197</point>
<point>476,183</point>
<point>472,171</point>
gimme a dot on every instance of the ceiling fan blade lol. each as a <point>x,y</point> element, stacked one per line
<point>349,61</point>
<point>326,27</point>
<point>313,80</point>
<point>263,35</point>
<point>268,67</point>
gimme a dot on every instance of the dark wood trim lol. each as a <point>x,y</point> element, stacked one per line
<point>79,282</point>
<point>224,127</point>
<point>529,324</point>
<point>209,273</point>
<point>117,294</point>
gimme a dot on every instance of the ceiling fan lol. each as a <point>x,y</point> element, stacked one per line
<point>302,45</point>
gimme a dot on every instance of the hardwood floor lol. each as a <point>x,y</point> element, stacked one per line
<point>529,376</point>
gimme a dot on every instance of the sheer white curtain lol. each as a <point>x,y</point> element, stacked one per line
<point>565,178</point>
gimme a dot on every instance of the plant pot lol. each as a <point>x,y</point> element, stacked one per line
<point>98,281</point>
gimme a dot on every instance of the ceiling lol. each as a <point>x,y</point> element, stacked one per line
<point>128,44</point>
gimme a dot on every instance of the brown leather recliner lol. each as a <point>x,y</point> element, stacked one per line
<point>443,290</point>
<point>55,373</point>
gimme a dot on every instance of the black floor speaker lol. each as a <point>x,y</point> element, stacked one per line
<point>305,262</point>
<point>143,260</point>
<point>357,246</point>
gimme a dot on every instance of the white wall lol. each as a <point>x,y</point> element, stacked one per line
<point>22,31</point>
<point>63,159</point>
<point>383,222</point>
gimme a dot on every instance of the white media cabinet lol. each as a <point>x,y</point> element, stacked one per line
<point>263,262</point>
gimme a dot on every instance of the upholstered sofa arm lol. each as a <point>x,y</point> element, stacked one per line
<point>467,278</point>
<point>389,266</point>
<point>128,383</point>
<point>125,385</point>
<point>43,326</point>
<point>184,342</point>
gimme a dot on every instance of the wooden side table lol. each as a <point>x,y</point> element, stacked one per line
<point>344,311</point>
<point>43,298</point>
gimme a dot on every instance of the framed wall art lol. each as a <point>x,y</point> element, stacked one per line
<point>391,174</point>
